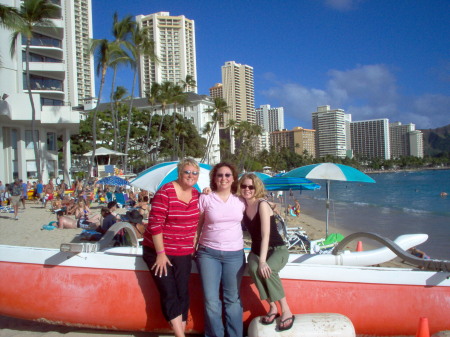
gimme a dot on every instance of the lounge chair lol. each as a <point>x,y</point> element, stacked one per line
<point>120,198</point>
<point>325,246</point>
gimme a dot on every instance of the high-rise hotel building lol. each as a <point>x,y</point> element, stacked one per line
<point>61,80</point>
<point>270,119</point>
<point>298,140</point>
<point>174,38</point>
<point>238,92</point>
<point>405,140</point>
<point>370,139</point>
<point>331,131</point>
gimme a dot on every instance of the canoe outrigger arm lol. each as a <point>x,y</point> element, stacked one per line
<point>426,264</point>
<point>104,242</point>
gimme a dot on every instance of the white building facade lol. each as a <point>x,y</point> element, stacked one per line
<point>270,119</point>
<point>405,140</point>
<point>331,132</point>
<point>238,92</point>
<point>62,77</point>
<point>174,38</point>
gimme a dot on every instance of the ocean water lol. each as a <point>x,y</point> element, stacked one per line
<point>398,203</point>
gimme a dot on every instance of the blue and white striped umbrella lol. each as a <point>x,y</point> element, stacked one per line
<point>283,183</point>
<point>260,175</point>
<point>113,181</point>
<point>328,172</point>
<point>156,176</point>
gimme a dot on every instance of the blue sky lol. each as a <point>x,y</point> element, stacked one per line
<point>372,58</point>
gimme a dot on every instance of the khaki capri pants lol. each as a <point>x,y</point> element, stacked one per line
<point>269,288</point>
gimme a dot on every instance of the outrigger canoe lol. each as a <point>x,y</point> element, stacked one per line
<point>94,285</point>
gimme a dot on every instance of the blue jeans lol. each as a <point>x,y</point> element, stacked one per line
<point>221,267</point>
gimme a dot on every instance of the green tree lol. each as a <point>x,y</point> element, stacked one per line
<point>188,83</point>
<point>122,32</point>
<point>33,14</point>
<point>105,53</point>
<point>141,45</point>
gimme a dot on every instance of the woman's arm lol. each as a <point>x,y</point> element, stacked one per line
<point>201,221</point>
<point>162,261</point>
<point>265,213</point>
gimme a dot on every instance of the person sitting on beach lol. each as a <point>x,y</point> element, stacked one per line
<point>268,253</point>
<point>296,208</point>
<point>83,213</point>
<point>136,220</point>
<point>144,207</point>
<point>417,252</point>
<point>66,221</point>
<point>108,220</point>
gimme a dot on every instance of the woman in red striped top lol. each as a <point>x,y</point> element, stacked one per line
<point>169,242</point>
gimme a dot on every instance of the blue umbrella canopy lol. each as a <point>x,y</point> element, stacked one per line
<point>328,172</point>
<point>154,177</point>
<point>260,175</point>
<point>284,183</point>
<point>113,181</point>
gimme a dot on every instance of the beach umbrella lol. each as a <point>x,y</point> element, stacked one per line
<point>283,183</point>
<point>113,181</point>
<point>329,172</point>
<point>154,177</point>
<point>260,175</point>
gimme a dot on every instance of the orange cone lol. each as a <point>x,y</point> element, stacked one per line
<point>423,330</point>
<point>359,246</point>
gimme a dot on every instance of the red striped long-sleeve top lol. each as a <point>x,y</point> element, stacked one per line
<point>175,219</point>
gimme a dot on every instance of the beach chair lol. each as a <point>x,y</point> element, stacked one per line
<point>297,237</point>
<point>325,246</point>
<point>120,198</point>
<point>109,197</point>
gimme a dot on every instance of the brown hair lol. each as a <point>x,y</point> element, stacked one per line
<point>213,173</point>
<point>260,191</point>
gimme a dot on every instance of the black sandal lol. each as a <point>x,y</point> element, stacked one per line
<point>269,318</point>
<point>286,327</point>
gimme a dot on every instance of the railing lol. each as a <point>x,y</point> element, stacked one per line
<point>44,41</point>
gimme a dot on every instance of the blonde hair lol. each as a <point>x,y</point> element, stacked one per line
<point>187,161</point>
<point>260,191</point>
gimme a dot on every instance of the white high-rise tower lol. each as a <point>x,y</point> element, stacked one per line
<point>174,38</point>
<point>62,77</point>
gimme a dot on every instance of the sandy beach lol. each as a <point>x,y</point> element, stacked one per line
<point>27,231</point>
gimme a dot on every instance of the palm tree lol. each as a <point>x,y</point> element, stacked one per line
<point>33,14</point>
<point>141,45</point>
<point>152,97</point>
<point>105,52</point>
<point>188,83</point>
<point>164,97</point>
<point>218,110</point>
<point>118,95</point>
<point>178,97</point>
<point>122,32</point>
<point>9,17</point>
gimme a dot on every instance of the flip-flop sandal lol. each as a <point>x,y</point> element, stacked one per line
<point>267,320</point>
<point>286,327</point>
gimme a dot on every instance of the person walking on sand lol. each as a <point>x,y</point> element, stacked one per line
<point>24,195</point>
<point>268,254</point>
<point>16,193</point>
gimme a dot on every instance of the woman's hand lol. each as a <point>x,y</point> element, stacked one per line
<point>207,190</point>
<point>264,270</point>
<point>160,265</point>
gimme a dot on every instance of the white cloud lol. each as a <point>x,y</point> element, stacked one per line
<point>366,92</point>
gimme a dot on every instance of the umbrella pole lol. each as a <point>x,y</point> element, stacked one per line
<point>328,207</point>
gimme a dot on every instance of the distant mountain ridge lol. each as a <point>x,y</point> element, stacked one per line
<point>436,141</point>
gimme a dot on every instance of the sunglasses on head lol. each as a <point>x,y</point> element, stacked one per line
<point>250,187</point>
<point>221,175</point>
<point>195,173</point>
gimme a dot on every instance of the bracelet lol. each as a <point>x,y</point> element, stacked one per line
<point>161,251</point>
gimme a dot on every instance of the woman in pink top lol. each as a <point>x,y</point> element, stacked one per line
<point>169,242</point>
<point>220,256</point>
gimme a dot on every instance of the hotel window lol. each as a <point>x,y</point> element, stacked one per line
<point>31,169</point>
<point>29,138</point>
<point>51,141</point>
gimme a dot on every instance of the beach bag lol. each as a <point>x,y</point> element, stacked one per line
<point>281,226</point>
